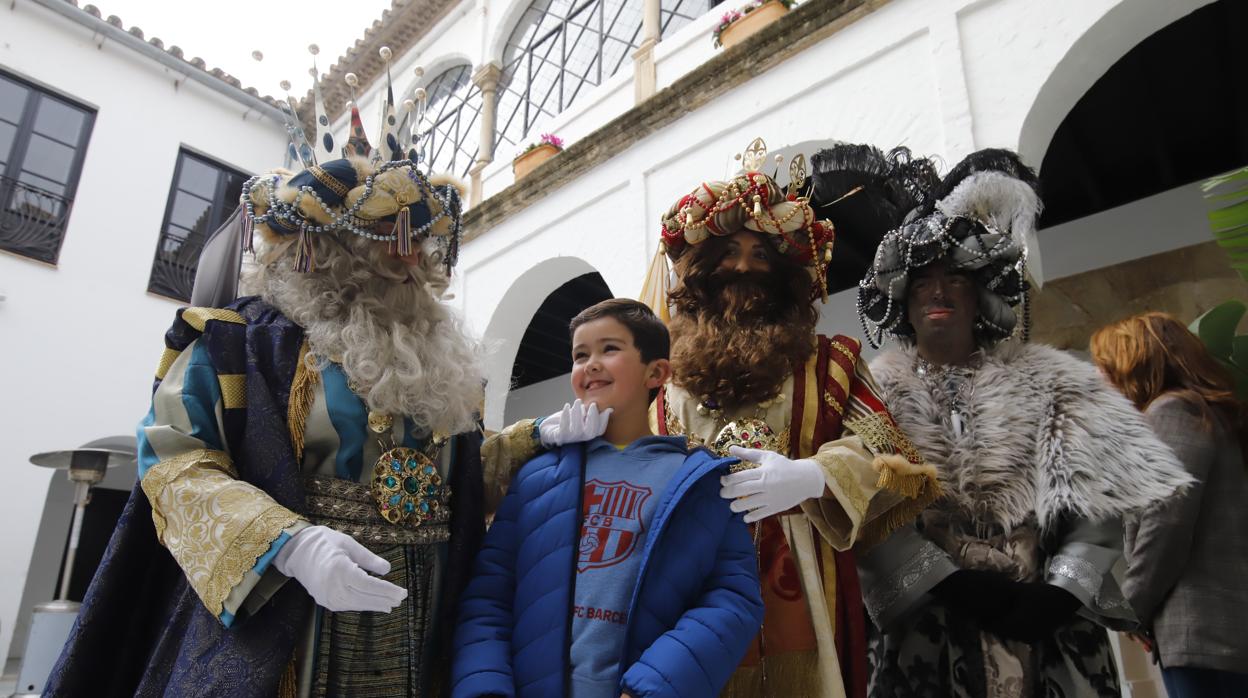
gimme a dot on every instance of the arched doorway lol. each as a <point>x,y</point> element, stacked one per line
<point>520,309</point>
<point>539,376</point>
<point>1125,226</point>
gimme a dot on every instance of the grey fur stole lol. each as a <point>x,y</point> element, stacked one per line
<point>1047,437</point>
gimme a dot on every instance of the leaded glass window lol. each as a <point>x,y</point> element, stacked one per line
<point>561,49</point>
<point>451,132</point>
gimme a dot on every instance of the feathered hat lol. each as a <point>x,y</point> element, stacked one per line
<point>865,193</point>
<point>982,220</point>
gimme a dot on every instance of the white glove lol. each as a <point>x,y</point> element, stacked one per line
<point>334,568</point>
<point>776,485</point>
<point>574,424</point>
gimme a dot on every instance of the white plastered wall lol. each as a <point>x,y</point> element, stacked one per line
<point>79,342</point>
<point>944,77</point>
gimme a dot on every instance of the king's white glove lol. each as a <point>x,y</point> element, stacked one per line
<point>776,485</point>
<point>334,568</point>
<point>573,424</point>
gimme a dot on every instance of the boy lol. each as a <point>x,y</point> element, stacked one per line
<point>613,567</point>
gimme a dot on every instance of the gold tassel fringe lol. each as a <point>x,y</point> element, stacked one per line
<point>915,481</point>
<point>302,391</point>
<point>288,685</point>
<point>899,475</point>
<point>654,289</point>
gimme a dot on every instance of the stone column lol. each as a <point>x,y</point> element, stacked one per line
<point>486,79</point>
<point>645,80</point>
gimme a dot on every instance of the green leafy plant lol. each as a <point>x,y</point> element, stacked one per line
<point>1230,219</point>
<point>1216,328</point>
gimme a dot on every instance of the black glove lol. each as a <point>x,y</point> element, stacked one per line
<point>1039,609</point>
<point>978,594</point>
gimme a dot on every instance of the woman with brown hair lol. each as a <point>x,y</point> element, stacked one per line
<point>1187,556</point>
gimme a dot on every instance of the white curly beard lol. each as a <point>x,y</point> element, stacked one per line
<point>403,351</point>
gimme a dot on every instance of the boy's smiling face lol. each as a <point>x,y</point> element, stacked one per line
<point>607,368</point>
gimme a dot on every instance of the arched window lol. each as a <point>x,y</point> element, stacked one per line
<point>561,49</point>
<point>451,132</point>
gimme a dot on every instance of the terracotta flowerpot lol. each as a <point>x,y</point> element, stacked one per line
<point>529,160</point>
<point>741,29</point>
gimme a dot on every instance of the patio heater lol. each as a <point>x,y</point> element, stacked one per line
<point>51,622</point>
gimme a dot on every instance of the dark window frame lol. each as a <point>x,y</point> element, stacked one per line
<point>11,185</point>
<point>168,287</point>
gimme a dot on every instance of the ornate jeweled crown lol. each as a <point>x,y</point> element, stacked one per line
<point>751,200</point>
<point>360,189</point>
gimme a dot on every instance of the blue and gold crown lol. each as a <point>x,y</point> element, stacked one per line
<point>360,189</point>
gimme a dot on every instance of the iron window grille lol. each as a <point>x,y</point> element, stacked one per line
<point>203,194</point>
<point>560,48</point>
<point>43,140</point>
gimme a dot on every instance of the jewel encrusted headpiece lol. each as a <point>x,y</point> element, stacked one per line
<point>982,221</point>
<point>365,186</point>
<point>754,201</point>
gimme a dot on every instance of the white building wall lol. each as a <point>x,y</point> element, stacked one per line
<point>79,342</point>
<point>944,77</point>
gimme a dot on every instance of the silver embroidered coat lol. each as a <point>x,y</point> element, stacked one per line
<point>1039,459</point>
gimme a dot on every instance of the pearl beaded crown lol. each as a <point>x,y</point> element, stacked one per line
<point>359,190</point>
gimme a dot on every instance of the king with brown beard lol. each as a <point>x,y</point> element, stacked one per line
<point>824,467</point>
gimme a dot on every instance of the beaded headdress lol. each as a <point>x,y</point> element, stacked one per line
<point>753,201</point>
<point>376,193</point>
<point>982,221</point>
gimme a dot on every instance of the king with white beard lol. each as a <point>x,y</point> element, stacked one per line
<point>310,478</point>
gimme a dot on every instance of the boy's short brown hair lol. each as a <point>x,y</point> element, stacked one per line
<point>649,333</point>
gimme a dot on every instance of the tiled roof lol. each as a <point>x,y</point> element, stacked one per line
<point>194,62</point>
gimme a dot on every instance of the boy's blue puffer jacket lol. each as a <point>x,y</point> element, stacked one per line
<point>694,611</point>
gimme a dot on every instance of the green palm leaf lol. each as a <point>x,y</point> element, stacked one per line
<point>1230,219</point>
<point>1216,328</point>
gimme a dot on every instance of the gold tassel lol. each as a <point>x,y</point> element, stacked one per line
<point>288,684</point>
<point>302,391</point>
<point>403,232</point>
<point>656,285</point>
<point>915,481</point>
<point>899,475</point>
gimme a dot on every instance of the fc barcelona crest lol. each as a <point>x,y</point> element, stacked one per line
<point>612,523</point>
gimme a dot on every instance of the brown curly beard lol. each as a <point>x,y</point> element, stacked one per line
<point>736,337</point>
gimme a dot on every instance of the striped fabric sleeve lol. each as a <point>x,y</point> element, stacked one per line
<point>223,532</point>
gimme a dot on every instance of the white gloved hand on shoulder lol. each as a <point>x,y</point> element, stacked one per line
<point>573,424</point>
<point>334,569</point>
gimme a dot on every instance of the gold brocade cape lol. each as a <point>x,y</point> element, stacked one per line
<point>813,640</point>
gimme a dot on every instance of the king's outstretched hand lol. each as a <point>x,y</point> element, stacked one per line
<point>335,569</point>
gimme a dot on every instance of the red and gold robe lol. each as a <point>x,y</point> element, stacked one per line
<point>813,638</point>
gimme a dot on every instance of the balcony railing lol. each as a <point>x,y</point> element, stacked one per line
<point>32,222</point>
<point>173,272</point>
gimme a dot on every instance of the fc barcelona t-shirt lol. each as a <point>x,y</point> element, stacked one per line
<point>622,490</point>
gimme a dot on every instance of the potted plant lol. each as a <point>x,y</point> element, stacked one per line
<point>548,146</point>
<point>735,26</point>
